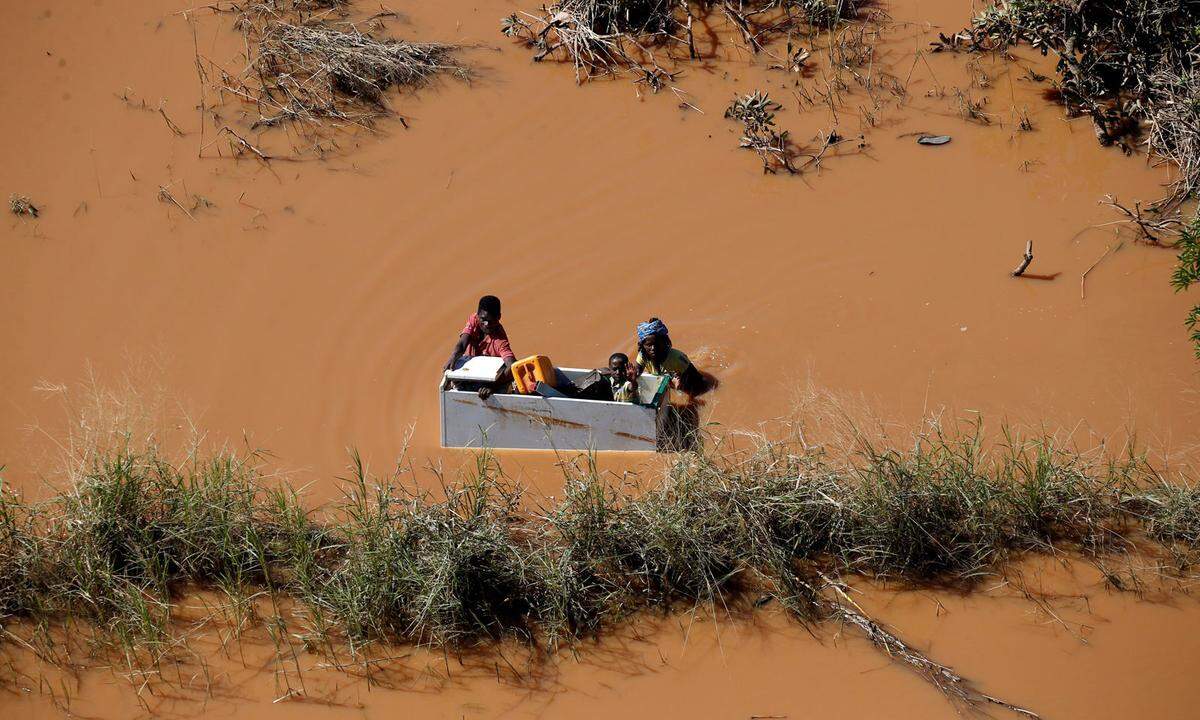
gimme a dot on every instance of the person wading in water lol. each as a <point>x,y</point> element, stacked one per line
<point>657,356</point>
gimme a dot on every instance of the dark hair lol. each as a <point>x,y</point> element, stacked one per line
<point>491,304</point>
<point>616,355</point>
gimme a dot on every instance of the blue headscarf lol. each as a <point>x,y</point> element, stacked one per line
<point>651,327</point>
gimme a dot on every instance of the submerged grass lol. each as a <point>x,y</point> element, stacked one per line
<point>473,561</point>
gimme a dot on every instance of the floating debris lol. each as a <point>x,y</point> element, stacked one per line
<point>933,139</point>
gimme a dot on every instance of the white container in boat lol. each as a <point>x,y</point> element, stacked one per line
<point>480,368</point>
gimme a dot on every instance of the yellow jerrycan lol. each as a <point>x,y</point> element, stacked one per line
<point>528,372</point>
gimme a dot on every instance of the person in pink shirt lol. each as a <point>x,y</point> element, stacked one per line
<point>484,335</point>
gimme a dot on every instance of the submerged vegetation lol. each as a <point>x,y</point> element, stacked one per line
<point>651,39</point>
<point>476,561</point>
<point>607,37</point>
<point>310,64</point>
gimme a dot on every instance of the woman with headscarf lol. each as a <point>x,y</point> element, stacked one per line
<point>657,356</point>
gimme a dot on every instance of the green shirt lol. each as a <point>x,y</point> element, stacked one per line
<point>673,364</point>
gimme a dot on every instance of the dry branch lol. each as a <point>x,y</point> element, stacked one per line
<point>1083,277</point>
<point>1153,229</point>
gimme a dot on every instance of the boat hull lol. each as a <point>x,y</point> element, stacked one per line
<point>533,422</point>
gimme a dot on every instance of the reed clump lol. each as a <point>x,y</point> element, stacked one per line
<point>474,560</point>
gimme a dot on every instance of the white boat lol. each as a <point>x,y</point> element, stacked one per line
<point>535,422</point>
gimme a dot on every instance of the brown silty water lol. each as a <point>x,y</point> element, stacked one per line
<point>311,309</point>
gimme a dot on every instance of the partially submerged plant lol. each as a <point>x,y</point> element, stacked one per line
<point>1130,65</point>
<point>22,206</point>
<point>756,112</point>
<point>608,37</point>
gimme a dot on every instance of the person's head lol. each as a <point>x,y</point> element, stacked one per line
<point>488,313</point>
<point>618,362</point>
<point>653,339</point>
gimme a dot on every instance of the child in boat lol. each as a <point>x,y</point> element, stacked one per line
<point>657,356</point>
<point>484,335</point>
<point>617,382</point>
<point>620,377</point>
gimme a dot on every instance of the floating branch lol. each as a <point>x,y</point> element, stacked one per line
<point>1028,258</point>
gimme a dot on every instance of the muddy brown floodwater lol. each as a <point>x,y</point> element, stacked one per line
<point>311,308</point>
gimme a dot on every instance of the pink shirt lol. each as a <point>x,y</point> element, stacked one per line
<point>494,345</point>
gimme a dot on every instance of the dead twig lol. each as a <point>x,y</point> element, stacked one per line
<point>170,123</point>
<point>1083,277</point>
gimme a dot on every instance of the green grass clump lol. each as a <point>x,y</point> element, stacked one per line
<point>423,569</point>
<point>1172,514</point>
<point>925,514</point>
